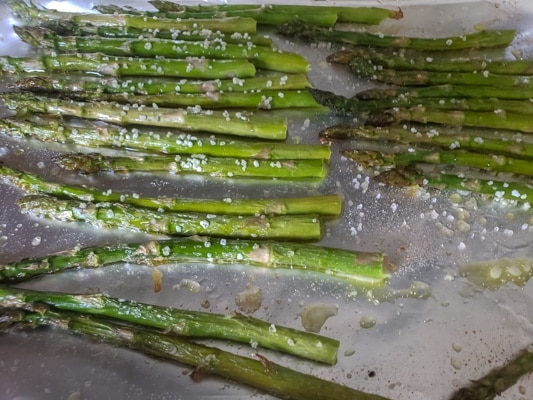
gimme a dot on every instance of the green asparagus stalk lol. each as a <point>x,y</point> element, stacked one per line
<point>482,39</point>
<point>498,119</point>
<point>355,105</point>
<point>365,270</point>
<point>447,91</point>
<point>482,161</point>
<point>259,373</point>
<point>326,205</point>
<point>32,15</point>
<point>190,119</point>
<point>510,188</point>
<point>416,78</point>
<point>137,219</point>
<point>197,35</point>
<point>374,59</point>
<point>101,64</point>
<point>346,55</point>
<point>261,57</point>
<point>166,141</point>
<point>498,380</point>
<point>264,100</point>
<point>194,324</point>
<point>269,14</point>
<point>150,86</point>
<point>507,142</point>
<point>197,164</point>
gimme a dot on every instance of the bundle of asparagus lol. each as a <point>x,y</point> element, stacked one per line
<point>447,102</point>
<point>493,163</point>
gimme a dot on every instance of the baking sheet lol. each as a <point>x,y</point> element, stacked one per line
<point>417,349</point>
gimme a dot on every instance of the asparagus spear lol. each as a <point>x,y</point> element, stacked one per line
<point>267,14</point>
<point>513,188</point>
<point>327,205</point>
<point>236,327</point>
<point>356,105</point>
<point>374,59</point>
<point>137,219</point>
<point>259,373</point>
<point>416,78</point>
<point>164,141</point>
<point>150,86</point>
<point>499,379</point>
<point>197,164</point>
<point>264,100</point>
<point>264,15</point>
<point>261,57</point>
<point>507,142</point>
<point>447,91</point>
<point>509,189</point>
<point>490,162</point>
<point>482,39</point>
<point>101,64</point>
<point>195,35</point>
<point>32,15</point>
<point>497,120</point>
<point>358,269</point>
<point>190,119</point>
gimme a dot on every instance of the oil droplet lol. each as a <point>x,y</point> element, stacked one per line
<point>456,363</point>
<point>367,321</point>
<point>315,315</point>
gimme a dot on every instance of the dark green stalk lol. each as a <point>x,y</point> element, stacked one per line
<point>511,190</point>
<point>257,372</point>
<point>362,270</point>
<point>466,180</point>
<point>498,119</point>
<point>498,380</point>
<point>137,219</point>
<point>447,91</point>
<point>356,105</point>
<point>196,164</point>
<point>489,162</point>
<point>372,59</point>
<point>482,39</point>
<point>236,327</point>
<point>232,123</point>
<point>425,78</point>
<point>505,142</point>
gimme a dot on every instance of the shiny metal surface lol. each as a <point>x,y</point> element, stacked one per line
<point>417,349</point>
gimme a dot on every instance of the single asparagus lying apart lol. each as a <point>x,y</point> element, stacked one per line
<point>499,379</point>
